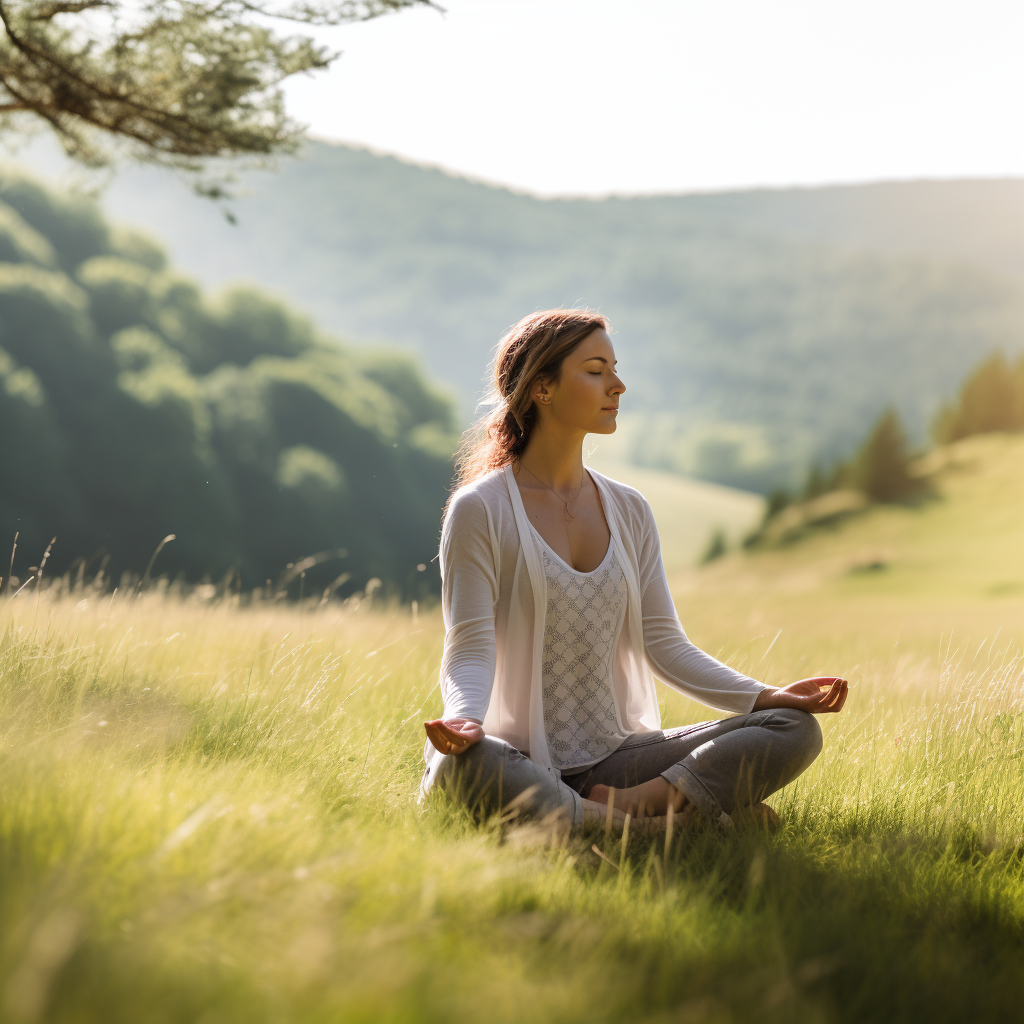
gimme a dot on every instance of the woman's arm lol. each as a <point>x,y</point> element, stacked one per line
<point>695,673</point>
<point>674,658</point>
<point>469,593</point>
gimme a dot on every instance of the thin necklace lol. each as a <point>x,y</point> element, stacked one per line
<point>555,493</point>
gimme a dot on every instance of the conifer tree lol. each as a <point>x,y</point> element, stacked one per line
<point>1018,386</point>
<point>991,399</point>
<point>881,467</point>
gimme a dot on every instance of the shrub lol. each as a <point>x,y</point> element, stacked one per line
<point>131,408</point>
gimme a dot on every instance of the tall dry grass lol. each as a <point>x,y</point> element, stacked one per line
<point>209,813</point>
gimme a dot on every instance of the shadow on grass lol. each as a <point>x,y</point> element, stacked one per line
<point>858,922</point>
<point>839,921</point>
<point>813,926</point>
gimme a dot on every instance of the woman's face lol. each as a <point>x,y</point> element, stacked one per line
<point>586,395</point>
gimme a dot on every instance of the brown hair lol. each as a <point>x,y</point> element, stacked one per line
<point>534,347</point>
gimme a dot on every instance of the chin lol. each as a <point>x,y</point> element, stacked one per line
<point>604,428</point>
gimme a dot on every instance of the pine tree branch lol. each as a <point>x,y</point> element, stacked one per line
<point>189,81</point>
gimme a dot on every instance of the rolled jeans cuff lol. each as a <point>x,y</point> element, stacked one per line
<point>696,792</point>
<point>577,809</point>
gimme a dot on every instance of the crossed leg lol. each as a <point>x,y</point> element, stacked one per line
<point>717,767</point>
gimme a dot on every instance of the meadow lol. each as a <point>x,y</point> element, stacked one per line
<point>209,808</point>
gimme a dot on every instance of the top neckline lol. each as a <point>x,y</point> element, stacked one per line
<point>579,572</point>
<point>519,507</point>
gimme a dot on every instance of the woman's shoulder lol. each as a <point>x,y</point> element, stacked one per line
<point>628,498</point>
<point>489,485</point>
<point>476,496</point>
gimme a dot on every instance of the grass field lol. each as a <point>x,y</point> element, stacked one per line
<point>209,814</point>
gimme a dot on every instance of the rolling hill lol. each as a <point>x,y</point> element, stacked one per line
<point>756,330</point>
<point>965,541</point>
<point>915,595</point>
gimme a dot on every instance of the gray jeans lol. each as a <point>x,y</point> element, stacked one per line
<point>719,766</point>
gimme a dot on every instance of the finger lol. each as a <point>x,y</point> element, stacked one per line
<point>435,732</point>
<point>441,742</point>
<point>451,734</point>
<point>836,704</point>
<point>820,681</point>
<point>831,697</point>
<point>470,731</point>
<point>819,688</point>
<point>818,705</point>
<point>441,736</point>
<point>438,742</point>
<point>828,685</point>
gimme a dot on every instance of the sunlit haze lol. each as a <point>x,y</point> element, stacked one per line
<point>592,96</point>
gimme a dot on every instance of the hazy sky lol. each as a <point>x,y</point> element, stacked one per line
<point>590,96</point>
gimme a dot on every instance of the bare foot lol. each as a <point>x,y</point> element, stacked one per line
<point>760,815</point>
<point>649,799</point>
<point>597,814</point>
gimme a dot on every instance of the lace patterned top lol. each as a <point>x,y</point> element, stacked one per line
<point>584,614</point>
<point>493,598</point>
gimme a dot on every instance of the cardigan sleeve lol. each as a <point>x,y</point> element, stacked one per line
<point>673,657</point>
<point>469,594</point>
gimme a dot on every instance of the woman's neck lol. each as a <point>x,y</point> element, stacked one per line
<point>555,459</point>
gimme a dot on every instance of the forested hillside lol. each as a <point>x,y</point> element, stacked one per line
<point>756,331</point>
<point>132,407</point>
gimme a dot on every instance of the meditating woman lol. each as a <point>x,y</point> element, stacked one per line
<point>556,609</point>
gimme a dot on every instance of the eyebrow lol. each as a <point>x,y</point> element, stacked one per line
<point>602,358</point>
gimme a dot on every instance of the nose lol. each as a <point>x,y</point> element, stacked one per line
<point>617,388</point>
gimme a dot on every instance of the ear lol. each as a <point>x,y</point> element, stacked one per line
<point>539,392</point>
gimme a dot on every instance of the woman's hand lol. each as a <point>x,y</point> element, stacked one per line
<point>819,695</point>
<point>454,735</point>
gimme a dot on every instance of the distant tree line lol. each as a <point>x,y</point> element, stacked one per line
<point>749,350</point>
<point>990,400</point>
<point>132,407</point>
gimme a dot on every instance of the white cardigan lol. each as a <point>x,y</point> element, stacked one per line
<point>494,600</point>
